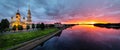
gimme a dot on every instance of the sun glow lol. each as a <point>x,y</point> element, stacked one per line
<point>87,22</point>
<point>91,22</point>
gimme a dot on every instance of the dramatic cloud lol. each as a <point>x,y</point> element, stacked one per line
<point>66,11</point>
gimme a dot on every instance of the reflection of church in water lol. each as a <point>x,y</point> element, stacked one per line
<point>18,20</point>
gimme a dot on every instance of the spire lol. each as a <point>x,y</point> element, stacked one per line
<point>11,17</point>
<point>23,18</point>
<point>18,16</point>
<point>18,10</point>
<point>29,7</point>
<point>18,7</point>
<point>29,12</point>
<point>29,15</point>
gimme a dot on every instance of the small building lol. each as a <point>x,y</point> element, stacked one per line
<point>58,25</point>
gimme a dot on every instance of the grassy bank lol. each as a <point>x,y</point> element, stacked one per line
<point>9,40</point>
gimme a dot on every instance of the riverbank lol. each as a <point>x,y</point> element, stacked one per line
<point>10,40</point>
<point>39,41</point>
<point>36,42</point>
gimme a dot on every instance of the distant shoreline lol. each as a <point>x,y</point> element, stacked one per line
<point>108,25</point>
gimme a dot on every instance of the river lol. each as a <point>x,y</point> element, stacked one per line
<point>84,37</point>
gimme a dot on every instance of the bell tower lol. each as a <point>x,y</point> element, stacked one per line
<point>29,21</point>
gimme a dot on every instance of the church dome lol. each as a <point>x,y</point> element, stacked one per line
<point>17,13</point>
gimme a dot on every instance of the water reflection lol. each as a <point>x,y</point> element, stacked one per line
<point>84,37</point>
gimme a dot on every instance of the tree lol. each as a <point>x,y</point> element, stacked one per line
<point>38,26</point>
<point>28,27</point>
<point>42,26</point>
<point>14,27</point>
<point>4,24</point>
<point>33,26</point>
<point>0,25</point>
<point>20,27</point>
<point>51,25</point>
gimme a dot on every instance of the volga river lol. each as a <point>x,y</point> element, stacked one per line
<point>84,37</point>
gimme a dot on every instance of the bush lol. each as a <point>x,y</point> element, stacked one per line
<point>33,26</point>
<point>20,27</point>
<point>28,27</point>
<point>14,27</point>
<point>38,26</point>
<point>51,25</point>
<point>42,26</point>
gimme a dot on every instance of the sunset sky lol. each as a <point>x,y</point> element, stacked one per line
<point>65,11</point>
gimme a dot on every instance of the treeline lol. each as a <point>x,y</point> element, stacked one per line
<point>41,26</point>
<point>5,26</point>
<point>108,25</point>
